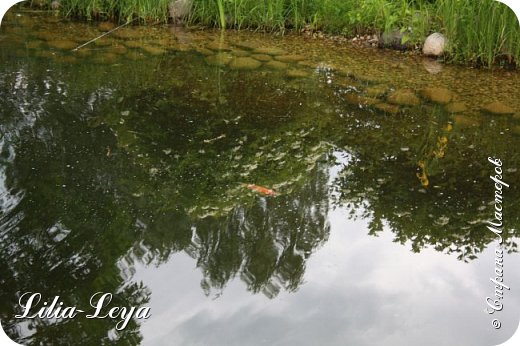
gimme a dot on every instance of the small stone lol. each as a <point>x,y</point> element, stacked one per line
<point>306,63</point>
<point>294,73</point>
<point>135,55</point>
<point>270,51</point>
<point>240,53</point>
<point>376,91</point>
<point>33,44</point>
<point>106,26</point>
<point>387,108</point>
<point>127,33</point>
<point>404,97</point>
<point>262,57</point>
<point>516,130</point>
<point>118,49</point>
<point>106,58</point>
<point>289,58</point>
<point>456,107</point>
<point>62,44</point>
<point>245,64</point>
<point>356,99</point>
<point>219,46</point>
<point>133,44</point>
<point>204,51</point>
<point>153,50</point>
<point>83,52</point>
<point>219,59</point>
<point>365,78</point>
<point>498,108</point>
<point>434,45</point>
<point>67,59</point>
<point>464,121</point>
<point>103,42</point>
<point>246,45</point>
<point>437,95</point>
<point>276,65</point>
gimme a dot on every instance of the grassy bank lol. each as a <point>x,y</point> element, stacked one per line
<point>480,32</point>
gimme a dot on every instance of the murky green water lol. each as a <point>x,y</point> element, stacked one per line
<point>123,167</point>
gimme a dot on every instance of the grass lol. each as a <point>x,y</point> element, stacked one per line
<point>483,33</point>
<point>480,32</point>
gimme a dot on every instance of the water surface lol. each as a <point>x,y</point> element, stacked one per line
<point>123,167</point>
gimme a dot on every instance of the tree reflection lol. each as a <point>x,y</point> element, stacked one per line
<point>128,170</point>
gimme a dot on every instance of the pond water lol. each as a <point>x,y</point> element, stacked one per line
<point>125,166</point>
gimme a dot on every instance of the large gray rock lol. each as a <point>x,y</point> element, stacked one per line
<point>435,44</point>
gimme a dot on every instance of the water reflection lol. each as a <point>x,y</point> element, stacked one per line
<point>111,173</point>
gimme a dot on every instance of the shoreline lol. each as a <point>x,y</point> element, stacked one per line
<point>403,26</point>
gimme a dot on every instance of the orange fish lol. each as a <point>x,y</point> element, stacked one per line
<point>261,190</point>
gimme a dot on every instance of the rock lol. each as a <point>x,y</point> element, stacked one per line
<point>270,51</point>
<point>106,58</point>
<point>356,99</point>
<point>464,121</point>
<point>165,42</point>
<point>404,97</point>
<point>364,78</point>
<point>262,57</point>
<point>219,46</point>
<point>246,45</point>
<point>118,49</point>
<point>127,33</point>
<point>45,54</point>
<point>66,59</point>
<point>306,63</point>
<point>498,108</point>
<point>153,50</point>
<point>103,42</point>
<point>387,108</point>
<point>456,107</point>
<point>516,130</point>
<point>106,26</point>
<point>62,44</point>
<point>219,59</point>
<point>376,91</point>
<point>133,44</point>
<point>393,39</point>
<point>33,44</point>
<point>289,58</point>
<point>276,65</point>
<point>437,95</point>
<point>239,53</point>
<point>179,9</point>
<point>245,64</point>
<point>83,52</point>
<point>135,55</point>
<point>294,73</point>
<point>434,44</point>
<point>204,51</point>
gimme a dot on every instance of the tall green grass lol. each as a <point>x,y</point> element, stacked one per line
<point>479,31</point>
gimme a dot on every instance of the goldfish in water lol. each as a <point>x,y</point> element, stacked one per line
<point>261,190</point>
